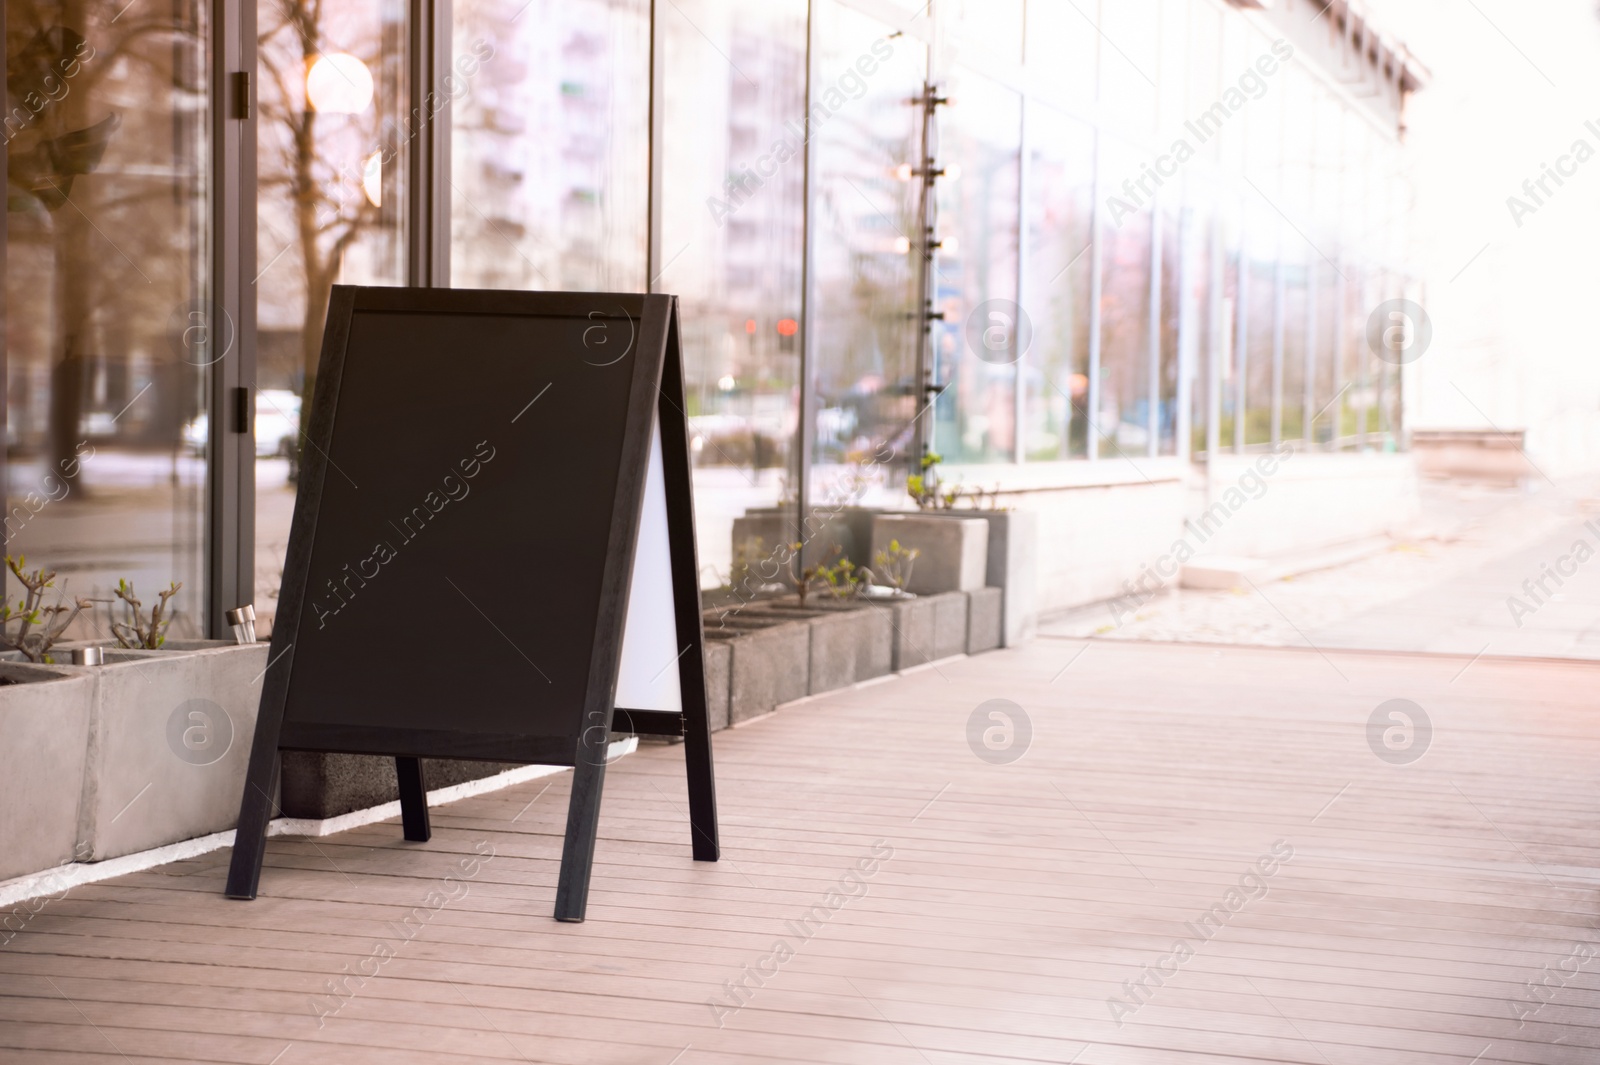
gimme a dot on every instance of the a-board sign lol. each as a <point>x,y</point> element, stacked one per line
<point>492,553</point>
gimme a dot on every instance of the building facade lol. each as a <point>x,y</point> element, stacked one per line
<point>1097,257</point>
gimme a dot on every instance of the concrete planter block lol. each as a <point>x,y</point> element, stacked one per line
<point>953,552</point>
<point>850,641</point>
<point>1012,566</point>
<point>985,618</point>
<point>872,643</point>
<point>850,528</point>
<point>320,785</point>
<point>949,624</point>
<point>718,655</point>
<point>913,632</point>
<point>832,659</point>
<point>769,663</point>
<point>169,740</point>
<point>44,736</point>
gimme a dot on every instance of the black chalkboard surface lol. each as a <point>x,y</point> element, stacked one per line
<point>461,559</point>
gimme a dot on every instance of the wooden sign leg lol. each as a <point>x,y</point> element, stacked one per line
<point>583,824</point>
<point>255,810</point>
<point>686,602</point>
<point>413,800</point>
<point>702,781</point>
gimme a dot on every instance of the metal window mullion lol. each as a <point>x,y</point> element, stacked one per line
<point>1152,414</point>
<point>428,162</point>
<point>1308,379</point>
<point>654,267</point>
<point>230,473</point>
<point>1341,334</point>
<point>1279,324</point>
<point>806,440</point>
<point>1187,343</point>
<point>1217,340</point>
<point>1019,397</point>
<point>1241,330</point>
<point>1091,399</point>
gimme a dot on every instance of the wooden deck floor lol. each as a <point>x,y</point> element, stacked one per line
<point>1009,904</point>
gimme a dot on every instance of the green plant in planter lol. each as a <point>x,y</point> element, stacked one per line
<point>38,626</point>
<point>894,565</point>
<point>807,578</point>
<point>923,487</point>
<point>138,633</point>
<point>846,580</point>
<point>930,493</point>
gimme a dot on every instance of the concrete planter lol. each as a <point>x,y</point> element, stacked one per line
<point>850,528</point>
<point>953,553</point>
<point>768,661</point>
<point>985,619</point>
<point>1011,565</point>
<point>718,656</point>
<point>927,628</point>
<point>1010,554</point>
<point>44,739</point>
<point>168,741</point>
<point>850,641</point>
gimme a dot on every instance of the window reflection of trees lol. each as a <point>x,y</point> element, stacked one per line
<point>327,168</point>
<point>105,131</point>
<point>108,331</point>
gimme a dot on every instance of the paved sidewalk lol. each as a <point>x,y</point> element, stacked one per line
<point>1204,856</point>
<point>1446,589</point>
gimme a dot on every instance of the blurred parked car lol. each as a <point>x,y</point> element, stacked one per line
<point>277,425</point>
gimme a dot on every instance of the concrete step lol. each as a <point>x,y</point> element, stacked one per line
<point>1238,572</point>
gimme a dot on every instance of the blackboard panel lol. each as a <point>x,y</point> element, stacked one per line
<point>462,531</point>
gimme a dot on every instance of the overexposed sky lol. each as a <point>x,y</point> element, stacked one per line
<point>1516,333</point>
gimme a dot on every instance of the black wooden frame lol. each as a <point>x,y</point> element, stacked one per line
<point>655,396</point>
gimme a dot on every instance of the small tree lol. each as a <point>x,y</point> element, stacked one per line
<point>137,632</point>
<point>38,627</point>
<point>894,565</point>
<point>804,578</point>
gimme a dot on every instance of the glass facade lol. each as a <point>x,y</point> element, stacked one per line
<point>549,144</point>
<point>864,250</point>
<point>1022,234</point>
<point>732,244</point>
<point>111,330</point>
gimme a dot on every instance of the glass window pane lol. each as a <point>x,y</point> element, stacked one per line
<point>1124,314</point>
<point>1261,298</point>
<point>864,285</point>
<point>332,151</point>
<point>1167,366</point>
<point>550,143</point>
<point>1060,210</point>
<point>107,245</point>
<point>1296,301</point>
<point>732,226</point>
<point>1235,301</point>
<point>975,271</point>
